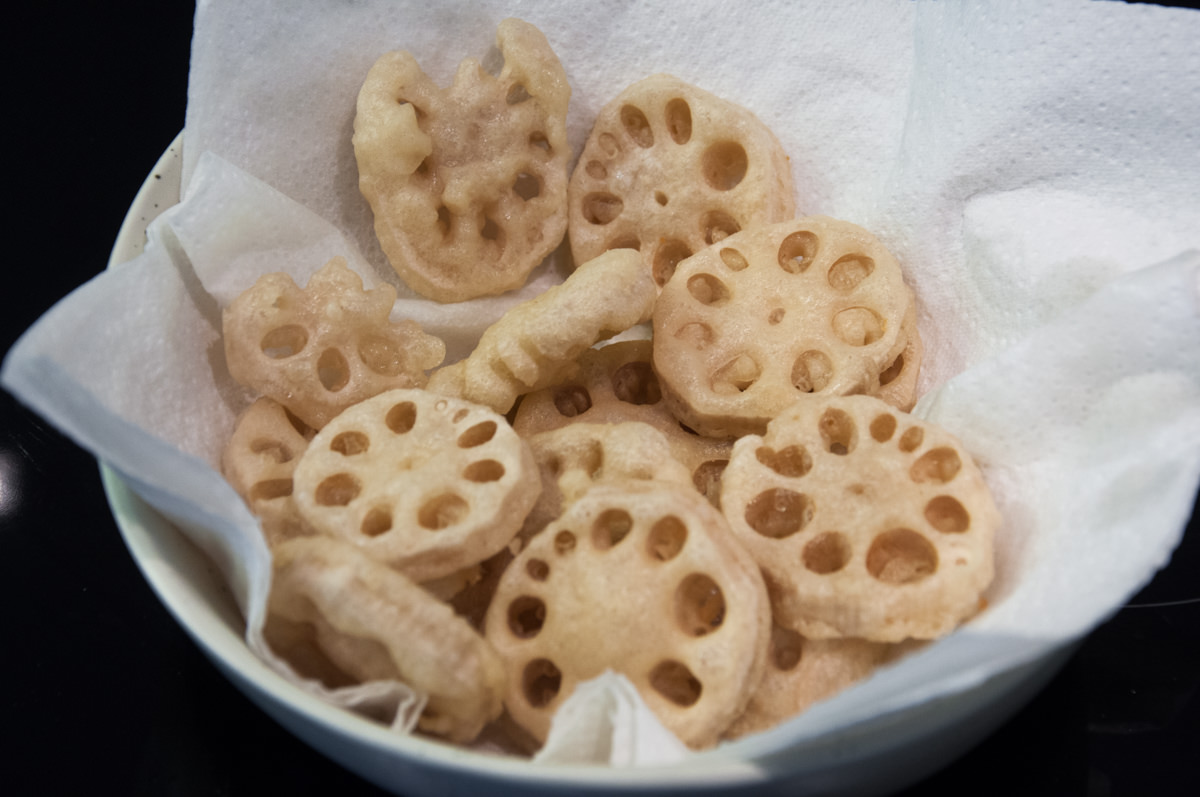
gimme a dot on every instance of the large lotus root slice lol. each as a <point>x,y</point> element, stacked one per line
<point>575,457</point>
<point>801,672</point>
<point>669,169</point>
<point>617,383</point>
<point>341,617</point>
<point>644,580</point>
<point>427,484</point>
<point>771,314</point>
<point>320,349</point>
<point>258,461</point>
<point>468,184</point>
<point>536,343</point>
<point>866,521</point>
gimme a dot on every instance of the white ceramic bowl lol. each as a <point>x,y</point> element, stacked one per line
<point>874,757</point>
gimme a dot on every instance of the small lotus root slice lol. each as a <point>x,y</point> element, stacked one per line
<point>468,184</point>
<point>339,616</point>
<point>536,343</point>
<point>427,484</point>
<point>801,672</point>
<point>867,522</point>
<point>258,461</point>
<point>617,383</point>
<point>898,381</point>
<point>669,169</point>
<point>320,349</point>
<point>772,314</point>
<point>643,579</point>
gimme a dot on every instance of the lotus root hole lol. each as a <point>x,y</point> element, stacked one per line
<point>484,471</point>
<point>858,326</point>
<point>596,170</point>
<point>442,511</point>
<point>894,370</point>
<point>666,538</point>
<point>786,648</point>
<point>402,417</point>
<point>332,370</point>
<point>572,400</point>
<point>601,207</point>
<point>779,512</point>
<point>377,521</point>
<point>283,342</point>
<point>541,681</point>
<point>477,435</point>
<point>526,616</point>
<point>826,553</point>
<point>707,479</point>
<point>612,526</point>
<point>901,556</point>
<point>637,126</point>
<point>717,226</point>
<point>537,569</point>
<point>527,186</point>
<point>674,681</point>
<point>270,489</point>
<point>564,542</point>
<point>350,443</point>
<point>883,427</point>
<point>736,376</point>
<point>812,371</point>
<point>669,254</point>
<point>699,605</point>
<point>273,450</point>
<point>791,462</point>
<point>936,465</point>
<point>337,490</point>
<point>849,271</point>
<point>733,259</point>
<point>444,221</point>
<point>946,514</point>
<point>679,120</point>
<point>608,144</point>
<point>538,141</point>
<point>381,356</point>
<point>302,428</point>
<point>724,165</point>
<point>626,241</point>
<point>490,231</point>
<point>660,198</point>
<point>838,431</point>
<point>776,316</point>
<point>797,252</point>
<point>911,439</point>
<point>636,383</point>
<point>459,414</point>
<point>695,334</point>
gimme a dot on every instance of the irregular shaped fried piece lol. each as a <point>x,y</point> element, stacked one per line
<point>614,384</point>
<point>323,348</point>
<point>351,619</point>
<point>258,461</point>
<point>428,484</point>
<point>643,579</point>
<point>866,521</point>
<point>669,169</point>
<point>467,184</point>
<point>746,327</point>
<point>536,343</point>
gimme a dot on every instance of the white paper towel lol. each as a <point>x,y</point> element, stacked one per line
<point>1028,163</point>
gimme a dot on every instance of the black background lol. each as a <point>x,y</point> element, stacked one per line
<point>102,691</point>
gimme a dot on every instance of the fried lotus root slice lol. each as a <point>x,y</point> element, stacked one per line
<point>866,521</point>
<point>468,184</point>
<point>320,349</point>
<point>574,458</point>
<point>614,384</point>
<point>801,672</point>
<point>643,579</point>
<point>427,484</point>
<point>669,169</point>
<point>812,306</point>
<point>536,343</point>
<point>258,461</point>
<point>337,613</point>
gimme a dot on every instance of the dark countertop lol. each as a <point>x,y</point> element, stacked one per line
<point>106,692</point>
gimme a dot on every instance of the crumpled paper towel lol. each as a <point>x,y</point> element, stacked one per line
<point>1032,165</point>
